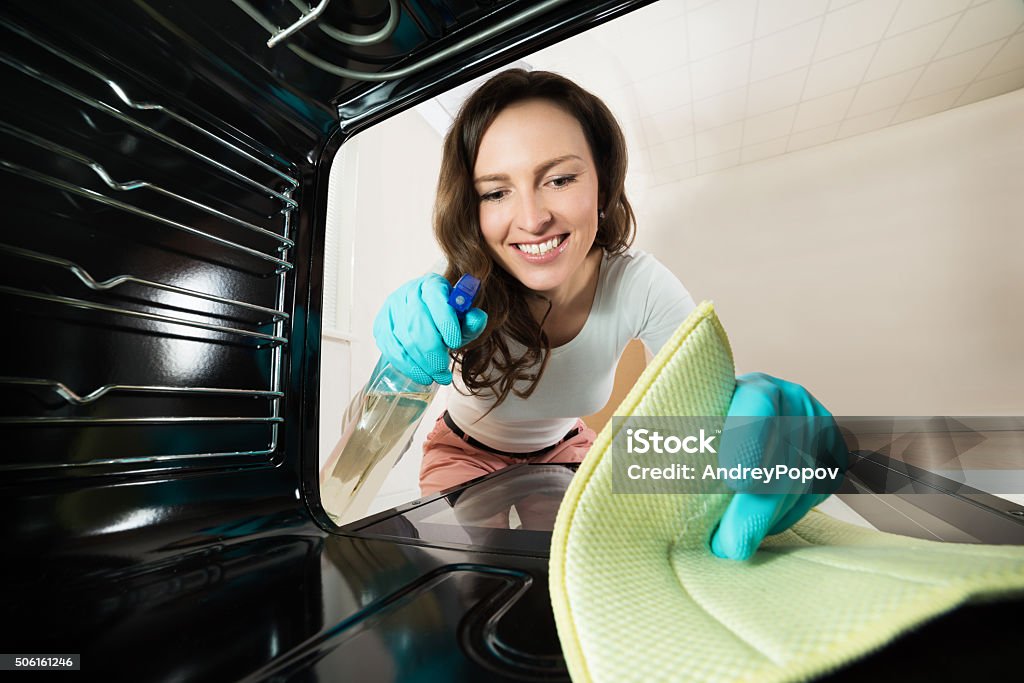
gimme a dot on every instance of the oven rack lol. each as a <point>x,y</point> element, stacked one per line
<point>132,185</point>
<point>265,339</point>
<point>70,397</point>
<point>133,420</point>
<point>92,195</point>
<point>110,283</point>
<point>73,398</point>
<point>119,91</point>
<point>116,113</point>
<point>133,303</point>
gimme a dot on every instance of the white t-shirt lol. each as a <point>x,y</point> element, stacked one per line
<point>637,298</point>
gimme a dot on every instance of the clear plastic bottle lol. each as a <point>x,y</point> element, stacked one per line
<point>378,428</point>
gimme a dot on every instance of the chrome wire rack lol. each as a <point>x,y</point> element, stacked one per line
<point>149,251</point>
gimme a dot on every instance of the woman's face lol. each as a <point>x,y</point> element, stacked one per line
<point>538,191</point>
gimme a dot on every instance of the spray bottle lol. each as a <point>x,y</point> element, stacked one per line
<point>378,428</point>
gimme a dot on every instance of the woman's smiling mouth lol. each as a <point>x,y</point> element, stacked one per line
<point>539,251</point>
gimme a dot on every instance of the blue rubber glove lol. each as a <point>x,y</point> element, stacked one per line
<point>807,436</point>
<point>416,327</point>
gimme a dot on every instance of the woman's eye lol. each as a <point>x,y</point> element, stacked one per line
<point>562,181</point>
<point>495,196</point>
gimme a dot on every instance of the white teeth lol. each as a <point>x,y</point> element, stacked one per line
<point>537,249</point>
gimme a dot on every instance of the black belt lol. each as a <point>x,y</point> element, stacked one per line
<point>484,447</point>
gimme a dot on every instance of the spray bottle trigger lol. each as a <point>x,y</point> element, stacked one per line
<point>463,293</point>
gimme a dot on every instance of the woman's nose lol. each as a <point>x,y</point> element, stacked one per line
<point>534,215</point>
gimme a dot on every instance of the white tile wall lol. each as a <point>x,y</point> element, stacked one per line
<point>775,124</point>
<point>980,25</point>
<point>719,162</point>
<point>839,4</point>
<point>859,24</point>
<point>720,26</point>
<point>812,137</point>
<point>671,153</point>
<point>885,92</point>
<point>1009,58</point>
<point>668,125</point>
<point>785,51</point>
<point>907,50</point>
<point>674,173</point>
<point>763,150</point>
<point>838,73</point>
<point>652,47</point>
<point>823,110</point>
<point>721,72</point>
<point>692,5</point>
<point>864,123</point>
<point>991,87</point>
<point>663,92</point>
<point>782,14</point>
<point>708,84</point>
<point>717,140</point>
<point>932,104</point>
<point>720,109</point>
<point>914,13</point>
<point>776,92</point>
<point>957,70</point>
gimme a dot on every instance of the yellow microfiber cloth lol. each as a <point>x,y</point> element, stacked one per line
<point>638,596</point>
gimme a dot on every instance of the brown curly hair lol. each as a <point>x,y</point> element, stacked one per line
<point>487,363</point>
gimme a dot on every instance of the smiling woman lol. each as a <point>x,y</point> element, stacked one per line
<point>531,159</point>
<point>531,200</point>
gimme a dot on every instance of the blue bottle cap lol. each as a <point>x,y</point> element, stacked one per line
<point>463,293</point>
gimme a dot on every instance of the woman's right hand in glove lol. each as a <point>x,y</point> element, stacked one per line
<point>416,327</point>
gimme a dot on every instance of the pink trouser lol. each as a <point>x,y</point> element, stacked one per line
<point>449,461</point>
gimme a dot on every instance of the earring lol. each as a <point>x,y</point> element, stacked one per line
<point>600,214</point>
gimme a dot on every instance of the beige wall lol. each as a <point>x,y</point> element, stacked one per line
<point>885,272</point>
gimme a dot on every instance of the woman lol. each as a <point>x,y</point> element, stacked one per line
<point>531,200</point>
